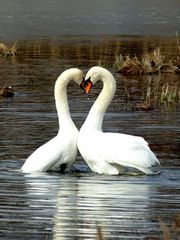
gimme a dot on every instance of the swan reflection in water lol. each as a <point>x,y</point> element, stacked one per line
<point>83,204</point>
<point>72,206</point>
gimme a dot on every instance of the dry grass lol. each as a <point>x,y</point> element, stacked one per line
<point>156,92</point>
<point>168,93</point>
<point>6,51</point>
<point>150,63</point>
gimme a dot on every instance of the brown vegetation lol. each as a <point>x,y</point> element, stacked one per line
<point>6,51</point>
<point>150,63</point>
<point>156,94</point>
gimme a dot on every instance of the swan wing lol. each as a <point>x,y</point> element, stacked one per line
<point>130,150</point>
<point>50,156</point>
<point>113,149</point>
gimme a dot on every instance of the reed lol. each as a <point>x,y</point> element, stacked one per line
<point>149,63</point>
<point>169,93</point>
<point>128,65</point>
<point>103,63</point>
<point>175,63</point>
<point>6,51</point>
<point>158,94</point>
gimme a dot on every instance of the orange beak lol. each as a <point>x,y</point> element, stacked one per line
<point>86,85</point>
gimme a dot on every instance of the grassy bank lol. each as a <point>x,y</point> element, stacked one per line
<point>151,63</point>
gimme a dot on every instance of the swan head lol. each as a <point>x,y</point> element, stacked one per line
<point>93,75</point>
<point>86,85</point>
<point>77,76</point>
<point>74,74</point>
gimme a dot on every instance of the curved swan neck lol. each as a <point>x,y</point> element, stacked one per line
<point>96,114</point>
<point>61,101</point>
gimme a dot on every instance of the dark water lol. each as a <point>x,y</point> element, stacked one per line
<point>36,19</point>
<point>71,206</point>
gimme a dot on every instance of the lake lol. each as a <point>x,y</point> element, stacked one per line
<point>72,206</point>
<point>36,19</point>
<point>75,205</point>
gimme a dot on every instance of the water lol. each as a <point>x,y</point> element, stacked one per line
<point>34,19</point>
<point>72,206</point>
<point>51,38</point>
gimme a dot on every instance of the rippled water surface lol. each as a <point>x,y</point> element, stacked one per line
<point>74,205</point>
<point>31,19</point>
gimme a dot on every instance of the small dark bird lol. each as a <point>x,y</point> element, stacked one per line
<point>6,92</point>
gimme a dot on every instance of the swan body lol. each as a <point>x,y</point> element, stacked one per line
<point>60,152</point>
<point>108,153</point>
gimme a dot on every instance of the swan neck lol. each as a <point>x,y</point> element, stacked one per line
<point>96,114</point>
<point>61,101</point>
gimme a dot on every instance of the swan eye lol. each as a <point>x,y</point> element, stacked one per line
<point>86,85</point>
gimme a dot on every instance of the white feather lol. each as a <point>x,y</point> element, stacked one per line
<point>62,149</point>
<point>106,153</point>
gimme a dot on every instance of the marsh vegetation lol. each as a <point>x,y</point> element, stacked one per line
<point>148,63</point>
<point>6,51</point>
<point>151,63</point>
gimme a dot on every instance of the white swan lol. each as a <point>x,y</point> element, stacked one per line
<point>106,153</point>
<point>60,152</point>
